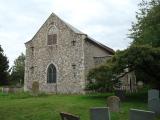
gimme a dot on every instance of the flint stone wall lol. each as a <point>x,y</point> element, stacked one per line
<point>62,55</point>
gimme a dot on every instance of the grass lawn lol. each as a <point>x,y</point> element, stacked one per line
<point>47,107</point>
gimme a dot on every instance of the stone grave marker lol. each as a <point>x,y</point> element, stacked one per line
<point>99,113</point>
<point>68,116</point>
<point>35,88</point>
<point>140,84</point>
<point>136,114</point>
<point>153,94</point>
<point>154,101</point>
<point>113,103</point>
<point>154,105</point>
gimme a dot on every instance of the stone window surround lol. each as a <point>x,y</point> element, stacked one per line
<point>56,32</point>
<point>51,74</point>
<point>57,73</point>
<point>74,68</point>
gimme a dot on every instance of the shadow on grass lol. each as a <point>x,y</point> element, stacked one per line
<point>139,97</point>
<point>21,95</point>
<point>97,95</point>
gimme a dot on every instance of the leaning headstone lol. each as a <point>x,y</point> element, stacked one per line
<point>68,116</point>
<point>100,113</point>
<point>136,114</point>
<point>154,105</point>
<point>153,94</point>
<point>113,103</point>
<point>121,94</point>
<point>35,88</point>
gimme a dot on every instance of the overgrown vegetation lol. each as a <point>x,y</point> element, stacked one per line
<point>3,68</point>
<point>14,75</point>
<point>142,56</point>
<point>17,71</point>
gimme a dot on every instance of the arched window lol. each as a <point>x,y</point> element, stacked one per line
<point>52,36</point>
<point>51,74</point>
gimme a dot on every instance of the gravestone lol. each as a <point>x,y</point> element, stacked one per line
<point>100,113</point>
<point>153,94</point>
<point>136,114</point>
<point>113,103</point>
<point>68,116</point>
<point>121,94</point>
<point>154,105</point>
<point>35,88</point>
<point>140,84</point>
<point>154,101</point>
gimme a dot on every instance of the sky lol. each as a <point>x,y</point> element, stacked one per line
<point>107,21</point>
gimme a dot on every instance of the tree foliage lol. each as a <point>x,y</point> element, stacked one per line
<point>3,68</point>
<point>17,70</point>
<point>146,30</point>
<point>101,81</point>
<point>142,56</point>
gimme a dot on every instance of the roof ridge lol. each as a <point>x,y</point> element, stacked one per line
<point>76,31</point>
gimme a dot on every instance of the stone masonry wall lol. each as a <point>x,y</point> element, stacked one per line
<point>91,51</point>
<point>63,55</point>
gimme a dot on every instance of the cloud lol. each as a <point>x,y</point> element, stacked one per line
<point>107,21</point>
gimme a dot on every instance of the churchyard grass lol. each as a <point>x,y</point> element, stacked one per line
<point>23,106</point>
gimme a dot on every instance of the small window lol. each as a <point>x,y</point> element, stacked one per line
<point>52,39</point>
<point>74,67</point>
<point>99,60</point>
<point>52,35</point>
<point>32,49</point>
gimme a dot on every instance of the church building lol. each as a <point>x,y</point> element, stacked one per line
<point>59,57</point>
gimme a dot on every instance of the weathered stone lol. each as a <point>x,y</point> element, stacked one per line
<point>35,87</point>
<point>153,94</point>
<point>136,114</point>
<point>73,54</point>
<point>63,55</point>
<point>140,84</point>
<point>68,116</point>
<point>113,103</point>
<point>100,113</point>
<point>154,105</point>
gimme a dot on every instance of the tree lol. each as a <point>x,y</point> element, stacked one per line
<point>3,68</point>
<point>100,80</point>
<point>146,30</point>
<point>142,56</point>
<point>17,70</point>
<point>143,59</point>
